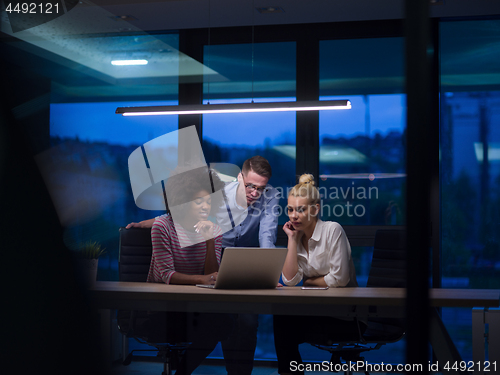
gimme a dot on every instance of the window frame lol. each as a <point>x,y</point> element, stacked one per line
<point>307,38</point>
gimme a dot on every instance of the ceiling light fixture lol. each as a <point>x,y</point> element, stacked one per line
<point>362,176</point>
<point>129,62</point>
<point>271,9</point>
<point>196,109</point>
<point>126,17</point>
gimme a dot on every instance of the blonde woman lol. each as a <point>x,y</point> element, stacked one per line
<point>319,254</point>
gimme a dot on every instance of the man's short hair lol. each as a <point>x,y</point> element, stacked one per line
<point>259,165</point>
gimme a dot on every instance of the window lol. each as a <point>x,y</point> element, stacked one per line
<point>233,138</point>
<point>470,164</point>
<point>362,150</point>
<point>242,73</point>
<point>87,171</point>
<point>90,144</point>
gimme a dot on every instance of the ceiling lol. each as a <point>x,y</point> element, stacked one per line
<point>155,15</point>
<point>103,16</point>
<point>92,33</point>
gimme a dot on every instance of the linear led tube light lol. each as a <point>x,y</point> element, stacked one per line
<point>360,176</point>
<point>129,62</point>
<point>196,109</point>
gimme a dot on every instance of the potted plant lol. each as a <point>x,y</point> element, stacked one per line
<point>87,257</point>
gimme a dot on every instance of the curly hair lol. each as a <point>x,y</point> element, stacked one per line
<point>185,183</point>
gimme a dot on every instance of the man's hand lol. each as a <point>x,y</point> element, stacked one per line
<point>142,224</point>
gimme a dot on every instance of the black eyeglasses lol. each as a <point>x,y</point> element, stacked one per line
<point>251,187</point>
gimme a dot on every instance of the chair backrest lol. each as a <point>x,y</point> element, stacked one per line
<point>135,254</point>
<point>388,269</point>
<point>133,265</point>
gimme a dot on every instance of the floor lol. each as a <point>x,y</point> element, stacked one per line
<point>151,368</point>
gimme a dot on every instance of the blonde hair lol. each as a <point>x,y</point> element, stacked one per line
<point>306,188</point>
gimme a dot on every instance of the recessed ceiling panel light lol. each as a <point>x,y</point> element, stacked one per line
<point>124,18</point>
<point>275,9</point>
<point>85,3</point>
<point>129,62</point>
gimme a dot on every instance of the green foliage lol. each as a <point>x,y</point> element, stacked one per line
<point>90,250</point>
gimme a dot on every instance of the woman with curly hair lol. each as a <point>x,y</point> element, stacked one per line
<point>187,250</point>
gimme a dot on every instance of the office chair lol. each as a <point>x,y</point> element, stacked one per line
<point>134,260</point>
<point>388,270</point>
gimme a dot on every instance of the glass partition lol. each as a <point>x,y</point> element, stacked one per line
<point>263,72</point>
<point>242,73</point>
<point>362,153</point>
<point>470,164</point>
<point>87,171</point>
<point>90,144</point>
<point>362,150</point>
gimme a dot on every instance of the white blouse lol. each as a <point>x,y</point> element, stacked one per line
<point>329,256</point>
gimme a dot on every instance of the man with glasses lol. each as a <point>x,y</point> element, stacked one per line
<point>250,195</point>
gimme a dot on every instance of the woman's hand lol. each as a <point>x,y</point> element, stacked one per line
<point>209,279</point>
<point>205,228</point>
<point>291,232</point>
<point>315,281</point>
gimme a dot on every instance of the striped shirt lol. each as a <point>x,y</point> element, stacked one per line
<point>168,255</point>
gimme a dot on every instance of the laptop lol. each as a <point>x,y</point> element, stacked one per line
<point>249,268</point>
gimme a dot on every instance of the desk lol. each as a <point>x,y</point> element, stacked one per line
<point>336,302</point>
